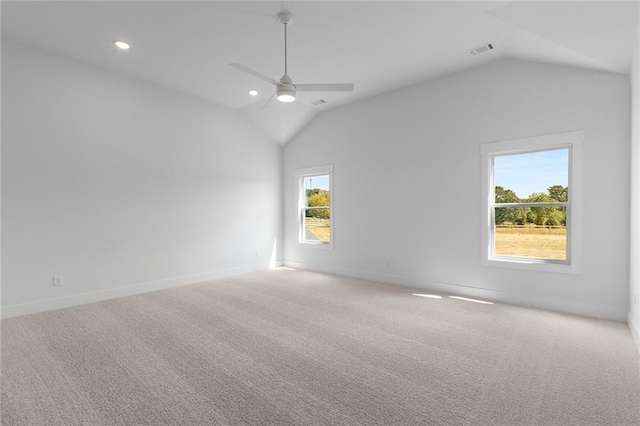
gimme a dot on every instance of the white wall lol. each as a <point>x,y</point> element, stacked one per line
<point>634,312</point>
<point>407,183</point>
<point>122,186</point>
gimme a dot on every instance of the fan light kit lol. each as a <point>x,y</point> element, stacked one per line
<point>285,89</point>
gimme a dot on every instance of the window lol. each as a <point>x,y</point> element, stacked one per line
<point>314,206</point>
<point>531,203</point>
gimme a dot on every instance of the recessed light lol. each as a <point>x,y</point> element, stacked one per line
<point>253,92</point>
<point>121,44</point>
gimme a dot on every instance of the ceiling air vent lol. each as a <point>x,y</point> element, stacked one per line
<point>318,102</point>
<point>481,49</point>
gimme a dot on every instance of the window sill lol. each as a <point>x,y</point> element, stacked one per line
<point>321,246</point>
<point>533,265</point>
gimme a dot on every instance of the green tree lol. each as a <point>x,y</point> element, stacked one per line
<point>559,193</point>
<point>318,198</point>
<point>550,216</point>
<point>507,214</point>
<point>506,195</point>
<point>310,193</point>
<point>543,215</point>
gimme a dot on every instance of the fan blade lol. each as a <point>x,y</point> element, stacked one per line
<point>341,87</point>
<point>254,73</point>
<point>269,102</point>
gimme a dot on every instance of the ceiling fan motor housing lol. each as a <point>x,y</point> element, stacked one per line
<point>286,91</point>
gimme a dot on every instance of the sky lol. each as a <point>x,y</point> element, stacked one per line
<point>321,182</point>
<point>531,172</point>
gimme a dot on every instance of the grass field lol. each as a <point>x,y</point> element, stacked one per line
<point>318,229</point>
<point>322,233</point>
<point>529,241</point>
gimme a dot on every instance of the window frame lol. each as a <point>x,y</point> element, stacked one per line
<point>571,140</point>
<point>301,174</point>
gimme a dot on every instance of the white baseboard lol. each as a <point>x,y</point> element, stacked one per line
<point>565,306</point>
<point>129,290</point>
<point>635,331</point>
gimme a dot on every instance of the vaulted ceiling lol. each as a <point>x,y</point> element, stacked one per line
<point>379,46</point>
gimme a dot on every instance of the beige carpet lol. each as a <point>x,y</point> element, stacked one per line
<point>300,348</point>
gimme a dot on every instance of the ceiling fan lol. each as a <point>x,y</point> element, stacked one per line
<point>285,88</point>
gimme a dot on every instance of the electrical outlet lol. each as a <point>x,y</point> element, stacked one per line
<point>57,281</point>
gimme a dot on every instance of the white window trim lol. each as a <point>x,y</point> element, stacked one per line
<point>574,141</point>
<point>300,175</point>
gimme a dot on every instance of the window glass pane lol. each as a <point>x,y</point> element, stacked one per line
<point>317,225</point>
<point>538,232</point>
<point>532,177</point>
<point>316,191</point>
